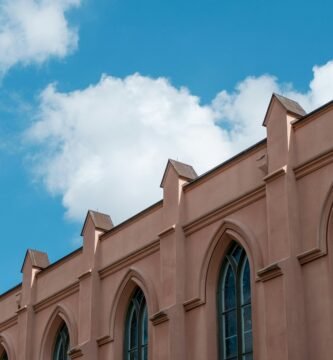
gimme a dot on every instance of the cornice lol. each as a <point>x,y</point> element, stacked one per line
<point>8,323</point>
<point>75,353</point>
<point>85,275</point>
<point>132,257</point>
<point>59,262</point>
<point>269,272</point>
<point>55,297</point>
<point>22,309</point>
<point>159,318</point>
<point>310,255</point>
<point>297,124</point>
<point>151,209</point>
<point>167,231</point>
<point>275,174</point>
<point>224,210</point>
<point>307,167</point>
<point>193,303</point>
<point>226,165</point>
<point>104,340</point>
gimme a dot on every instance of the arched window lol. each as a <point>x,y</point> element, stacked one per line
<point>4,355</point>
<point>234,306</point>
<point>61,347</point>
<point>136,332</point>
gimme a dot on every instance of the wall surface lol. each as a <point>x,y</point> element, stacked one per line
<point>275,199</point>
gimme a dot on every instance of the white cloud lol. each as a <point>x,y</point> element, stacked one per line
<point>31,31</point>
<point>105,147</point>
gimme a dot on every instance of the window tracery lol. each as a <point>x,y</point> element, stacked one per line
<point>136,332</point>
<point>234,306</point>
<point>61,347</point>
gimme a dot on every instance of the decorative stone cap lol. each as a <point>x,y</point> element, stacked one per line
<point>38,259</point>
<point>101,221</point>
<point>184,171</point>
<point>291,106</point>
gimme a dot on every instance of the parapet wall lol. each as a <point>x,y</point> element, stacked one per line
<point>275,199</point>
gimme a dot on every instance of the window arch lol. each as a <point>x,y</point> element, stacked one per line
<point>136,330</point>
<point>61,346</point>
<point>234,306</point>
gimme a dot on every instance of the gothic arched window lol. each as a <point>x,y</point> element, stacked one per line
<point>61,347</point>
<point>136,332</point>
<point>4,356</point>
<point>234,306</point>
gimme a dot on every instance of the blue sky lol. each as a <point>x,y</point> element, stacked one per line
<point>96,93</point>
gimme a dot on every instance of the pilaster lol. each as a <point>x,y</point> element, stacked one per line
<point>34,261</point>
<point>283,235</point>
<point>94,225</point>
<point>172,246</point>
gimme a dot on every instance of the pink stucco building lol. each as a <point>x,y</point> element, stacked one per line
<point>234,264</point>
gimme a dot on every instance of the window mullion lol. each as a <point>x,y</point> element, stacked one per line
<point>138,303</point>
<point>139,333</point>
<point>235,258</point>
<point>239,313</point>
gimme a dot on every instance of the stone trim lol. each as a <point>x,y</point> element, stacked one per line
<point>140,215</point>
<point>243,155</point>
<point>8,344</point>
<point>8,323</point>
<point>85,275</point>
<point>269,272</point>
<point>193,304</point>
<point>132,257</point>
<point>159,318</point>
<point>298,123</point>
<point>59,262</point>
<point>55,297</point>
<point>167,231</point>
<point>310,255</point>
<point>22,309</point>
<point>103,340</point>
<point>320,248</point>
<point>313,164</point>
<point>75,353</point>
<point>275,174</point>
<point>224,210</point>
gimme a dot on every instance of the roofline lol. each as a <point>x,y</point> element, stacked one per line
<point>11,290</point>
<point>171,162</point>
<point>290,112</point>
<point>268,108</point>
<point>44,269</point>
<point>60,260</point>
<point>218,167</point>
<point>92,213</point>
<point>34,250</point>
<point>160,202</point>
<point>84,223</point>
<point>225,163</point>
<point>198,179</point>
<point>313,112</point>
<point>131,219</point>
<point>151,207</point>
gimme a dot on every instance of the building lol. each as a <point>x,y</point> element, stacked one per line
<point>234,264</point>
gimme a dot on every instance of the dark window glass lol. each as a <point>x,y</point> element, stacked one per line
<point>4,356</point>
<point>229,290</point>
<point>136,332</point>
<point>237,253</point>
<point>234,306</point>
<point>61,347</point>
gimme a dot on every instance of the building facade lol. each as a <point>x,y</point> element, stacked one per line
<point>234,264</point>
